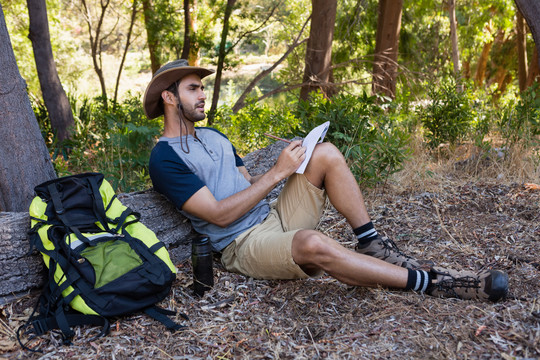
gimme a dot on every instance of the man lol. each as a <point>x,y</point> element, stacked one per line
<point>199,171</point>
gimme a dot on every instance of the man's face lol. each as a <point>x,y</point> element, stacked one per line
<point>192,97</point>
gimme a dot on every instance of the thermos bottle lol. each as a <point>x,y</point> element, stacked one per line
<point>201,260</point>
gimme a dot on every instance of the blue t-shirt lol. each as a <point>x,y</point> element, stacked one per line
<point>179,167</point>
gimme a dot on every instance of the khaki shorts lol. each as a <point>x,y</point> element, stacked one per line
<point>265,250</point>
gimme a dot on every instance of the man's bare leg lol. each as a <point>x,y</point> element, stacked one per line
<point>328,168</point>
<point>313,250</point>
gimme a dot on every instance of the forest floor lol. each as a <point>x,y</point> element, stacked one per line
<point>469,225</point>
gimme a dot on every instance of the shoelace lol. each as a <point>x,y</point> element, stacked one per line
<point>449,284</point>
<point>390,246</point>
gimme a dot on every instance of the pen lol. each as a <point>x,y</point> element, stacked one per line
<point>278,138</point>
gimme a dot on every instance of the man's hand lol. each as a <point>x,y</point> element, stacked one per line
<point>289,160</point>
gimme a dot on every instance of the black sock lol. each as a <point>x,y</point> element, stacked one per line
<point>418,280</point>
<point>365,233</point>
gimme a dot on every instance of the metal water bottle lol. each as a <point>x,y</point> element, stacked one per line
<point>201,260</point>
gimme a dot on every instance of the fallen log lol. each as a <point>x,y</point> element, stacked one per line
<point>21,272</point>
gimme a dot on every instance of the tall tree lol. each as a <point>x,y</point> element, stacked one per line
<point>481,68</point>
<point>96,41</point>
<point>386,47</point>
<point>152,34</point>
<point>522,51</point>
<point>190,50</point>
<point>454,36</point>
<point>530,9</point>
<point>25,161</point>
<point>317,71</point>
<point>134,10</point>
<point>222,52</point>
<point>534,69</point>
<point>54,96</point>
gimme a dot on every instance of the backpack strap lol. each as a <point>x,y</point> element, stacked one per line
<point>60,211</point>
<point>162,315</point>
<point>121,220</point>
<point>99,208</point>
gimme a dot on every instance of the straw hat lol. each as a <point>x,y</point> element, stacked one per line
<point>165,77</point>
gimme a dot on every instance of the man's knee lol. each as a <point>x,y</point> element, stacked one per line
<point>310,247</point>
<point>327,152</point>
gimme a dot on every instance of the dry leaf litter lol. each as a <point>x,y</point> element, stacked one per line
<point>471,226</point>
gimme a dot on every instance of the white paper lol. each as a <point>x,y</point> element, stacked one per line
<point>314,137</point>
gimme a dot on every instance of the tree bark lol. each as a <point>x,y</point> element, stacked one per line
<point>54,96</point>
<point>221,60</point>
<point>386,47</point>
<point>319,48</point>
<point>530,9</point>
<point>190,50</point>
<point>482,64</point>
<point>454,37</point>
<point>95,43</point>
<point>126,48</point>
<point>25,161</point>
<point>151,35</point>
<point>522,51</point>
<point>534,70</point>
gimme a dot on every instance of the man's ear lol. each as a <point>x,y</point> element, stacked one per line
<point>168,97</point>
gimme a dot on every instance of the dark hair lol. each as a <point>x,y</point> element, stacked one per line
<point>173,88</point>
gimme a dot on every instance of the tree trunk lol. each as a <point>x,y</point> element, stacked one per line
<point>54,96</point>
<point>466,68</point>
<point>151,35</point>
<point>95,44</point>
<point>319,48</point>
<point>482,64</point>
<point>25,161</point>
<point>221,60</point>
<point>194,48</point>
<point>126,48</point>
<point>454,37</point>
<point>386,47</point>
<point>530,9</point>
<point>522,51</point>
<point>187,30</point>
<point>534,70</point>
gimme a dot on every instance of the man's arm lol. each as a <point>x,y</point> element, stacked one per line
<point>204,205</point>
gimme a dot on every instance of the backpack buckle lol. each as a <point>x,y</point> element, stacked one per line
<point>38,327</point>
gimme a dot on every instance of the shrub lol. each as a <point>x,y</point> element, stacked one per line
<point>246,128</point>
<point>366,133</point>
<point>448,116</point>
<point>520,121</point>
<point>116,141</point>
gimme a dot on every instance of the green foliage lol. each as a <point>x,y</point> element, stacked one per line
<point>366,133</point>
<point>116,142</point>
<point>448,116</point>
<point>246,128</point>
<point>520,121</point>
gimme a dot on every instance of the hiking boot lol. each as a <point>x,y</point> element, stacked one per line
<point>385,249</point>
<point>485,285</point>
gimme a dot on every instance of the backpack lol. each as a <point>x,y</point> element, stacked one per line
<point>102,262</point>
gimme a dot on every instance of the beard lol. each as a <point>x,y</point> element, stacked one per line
<point>192,113</point>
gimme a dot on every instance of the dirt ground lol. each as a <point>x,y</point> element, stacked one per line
<point>470,225</point>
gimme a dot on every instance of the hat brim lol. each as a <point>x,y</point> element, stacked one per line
<point>162,81</point>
